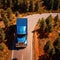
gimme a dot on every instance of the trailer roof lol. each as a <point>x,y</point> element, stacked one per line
<point>21,22</point>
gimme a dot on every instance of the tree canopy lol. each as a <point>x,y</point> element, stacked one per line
<point>30,5</point>
<point>2,34</point>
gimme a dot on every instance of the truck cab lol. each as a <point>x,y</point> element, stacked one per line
<point>21,32</point>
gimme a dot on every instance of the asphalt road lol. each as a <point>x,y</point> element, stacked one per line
<point>27,53</point>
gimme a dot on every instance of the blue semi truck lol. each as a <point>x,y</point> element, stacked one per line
<point>21,32</point>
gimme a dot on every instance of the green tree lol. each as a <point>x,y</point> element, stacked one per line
<point>2,35</point>
<point>2,12</point>
<point>6,21</point>
<point>52,4</point>
<point>57,45</point>
<point>9,12</point>
<point>47,4</point>
<point>49,23</point>
<point>49,20</point>
<point>9,3</point>
<point>0,3</point>
<point>37,6</point>
<point>1,47</point>
<point>20,1</point>
<point>56,19</point>
<point>24,6</point>
<point>50,28</point>
<point>49,48</point>
<point>42,24</point>
<point>58,4</point>
<point>31,6</point>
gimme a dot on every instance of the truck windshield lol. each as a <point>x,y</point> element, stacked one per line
<point>21,35</point>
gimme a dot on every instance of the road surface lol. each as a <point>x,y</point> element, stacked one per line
<point>27,53</point>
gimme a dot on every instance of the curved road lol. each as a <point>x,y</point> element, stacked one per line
<point>27,53</point>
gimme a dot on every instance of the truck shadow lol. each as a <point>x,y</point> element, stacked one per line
<point>10,36</point>
<point>14,59</point>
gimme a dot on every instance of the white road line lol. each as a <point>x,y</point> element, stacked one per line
<point>22,56</point>
<point>12,54</point>
<point>31,51</point>
<point>12,50</point>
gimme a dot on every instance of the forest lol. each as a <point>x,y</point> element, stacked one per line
<point>24,6</point>
<point>49,35</point>
<point>11,9</point>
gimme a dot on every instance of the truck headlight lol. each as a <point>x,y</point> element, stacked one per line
<point>25,42</point>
